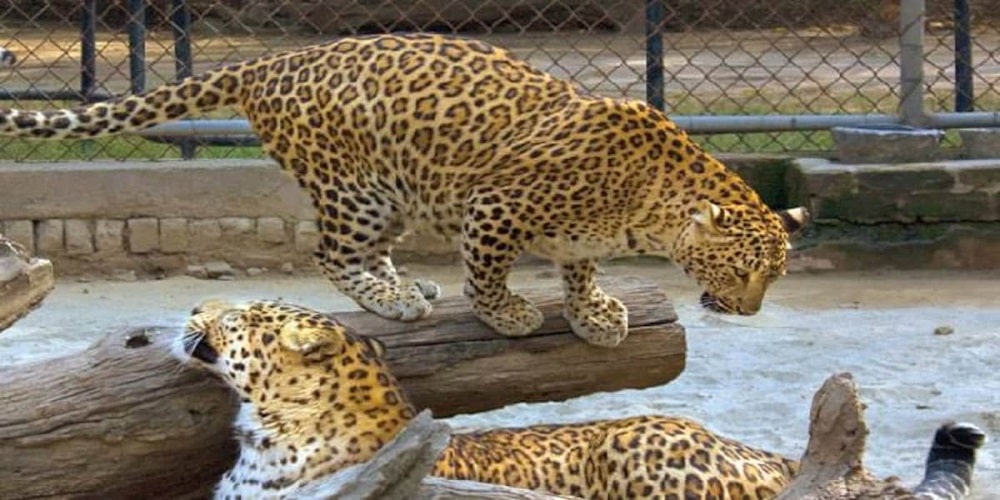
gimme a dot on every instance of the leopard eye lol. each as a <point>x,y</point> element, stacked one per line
<point>742,274</point>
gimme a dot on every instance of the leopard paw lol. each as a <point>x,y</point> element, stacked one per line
<point>406,304</point>
<point>515,317</point>
<point>429,289</point>
<point>600,320</point>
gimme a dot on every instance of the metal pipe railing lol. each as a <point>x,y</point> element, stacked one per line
<point>698,124</point>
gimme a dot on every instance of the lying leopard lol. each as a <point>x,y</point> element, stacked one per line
<point>317,398</point>
<point>453,137</point>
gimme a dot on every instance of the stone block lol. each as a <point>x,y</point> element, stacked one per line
<point>79,237</point>
<point>236,226</point>
<point>306,236</point>
<point>885,144</point>
<point>21,231</point>
<point>49,237</point>
<point>271,230</point>
<point>856,208</point>
<point>983,176</point>
<point>204,232</point>
<point>904,179</point>
<point>173,235</point>
<point>143,235</point>
<point>980,142</point>
<point>109,236</point>
<point>948,207</point>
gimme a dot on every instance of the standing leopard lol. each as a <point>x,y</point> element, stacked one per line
<point>316,398</point>
<point>453,137</point>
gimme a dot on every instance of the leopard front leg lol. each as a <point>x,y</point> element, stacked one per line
<point>489,255</point>
<point>379,263</point>
<point>349,256</point>
<point>594,316</point>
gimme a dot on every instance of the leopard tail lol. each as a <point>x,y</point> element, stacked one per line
<point>190,96</point>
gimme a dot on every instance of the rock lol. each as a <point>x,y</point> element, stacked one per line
<point>287,268</point>
<point>124,275</point>
<point>254,271</point>
<point>802,263</point>
<point>944,330</point>
<point>218,269</point>
<point>196,271</point>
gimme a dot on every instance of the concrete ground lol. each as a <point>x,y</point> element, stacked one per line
<point>751,378</point>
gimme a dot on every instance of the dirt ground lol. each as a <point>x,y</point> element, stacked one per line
<point>751,378</point>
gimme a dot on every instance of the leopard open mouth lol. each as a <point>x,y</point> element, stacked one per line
<point>714,304</point>
<point>195,344</point>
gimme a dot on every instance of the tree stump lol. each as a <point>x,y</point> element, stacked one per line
<point>24,282</point>
<point>124,419</point>
<point>833,465</point>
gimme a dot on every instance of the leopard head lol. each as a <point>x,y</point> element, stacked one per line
<point>268,350</point>
<point>736,251</point>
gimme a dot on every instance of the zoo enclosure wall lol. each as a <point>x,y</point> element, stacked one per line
<point>756,76</point>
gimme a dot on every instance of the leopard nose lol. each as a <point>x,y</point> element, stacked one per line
<point>750,306</point>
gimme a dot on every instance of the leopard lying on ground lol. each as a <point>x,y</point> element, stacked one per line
<point>449,136</point>
<point>317,398</point>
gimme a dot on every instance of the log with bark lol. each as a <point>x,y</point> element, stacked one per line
<point>24,282</point>
<point>124,419</point>
<point>833,465</point>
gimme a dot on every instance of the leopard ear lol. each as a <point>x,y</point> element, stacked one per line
<point>709,216</point>
<point>305,339</point>
<point>374,344</point>
<point>794,219</point>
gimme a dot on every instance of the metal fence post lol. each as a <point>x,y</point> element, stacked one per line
<point>654,54</point>
<point>180,24</point>
<point>88,49</point>
<point>911,62</point>
<point>137,45</point>
<point>964,93</point>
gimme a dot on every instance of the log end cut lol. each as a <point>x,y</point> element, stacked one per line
<point>24,282</point>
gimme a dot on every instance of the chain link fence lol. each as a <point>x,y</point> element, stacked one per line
<point>720,57</point>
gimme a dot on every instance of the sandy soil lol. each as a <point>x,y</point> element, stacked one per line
<point>751,378</point>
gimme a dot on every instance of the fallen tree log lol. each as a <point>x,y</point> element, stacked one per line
<point>832,467</point>
<point>123,419</point>
<point>24,282</point>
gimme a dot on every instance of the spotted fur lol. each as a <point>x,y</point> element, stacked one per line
<point>454,137</point>
<point>317,398</point>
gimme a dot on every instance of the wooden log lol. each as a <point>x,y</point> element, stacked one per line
<point>123,419</point>
<point>833,465</point>
<point>24,282</point>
